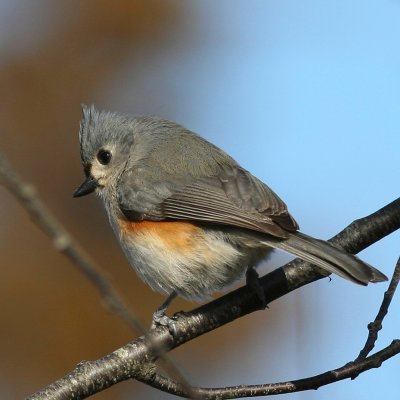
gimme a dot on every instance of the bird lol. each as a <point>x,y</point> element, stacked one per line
<point>191,220</point>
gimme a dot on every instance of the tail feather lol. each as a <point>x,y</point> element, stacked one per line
<point>328,257</point>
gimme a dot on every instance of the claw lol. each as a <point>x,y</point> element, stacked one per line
<point>160,318</point>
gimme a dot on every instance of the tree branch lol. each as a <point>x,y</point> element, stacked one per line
<point>136,359</point>
<point>63,242</point>
<point>42,217</point>
<point>350,370</point>
<point>375,326</point>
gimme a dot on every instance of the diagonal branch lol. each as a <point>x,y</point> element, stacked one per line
<point>351,370</point>
<point>136,359</point>
<point>26,195</point>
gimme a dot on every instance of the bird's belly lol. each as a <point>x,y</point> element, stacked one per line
<point>181,257</point>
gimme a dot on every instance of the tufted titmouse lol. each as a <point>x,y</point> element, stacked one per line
<point>188,217</point>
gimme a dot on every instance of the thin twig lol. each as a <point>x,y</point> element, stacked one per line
<point>42,217</point>
<point>234,392</point>
<point>133,359</point>
<point>375,326</point>
<point>27,196</point>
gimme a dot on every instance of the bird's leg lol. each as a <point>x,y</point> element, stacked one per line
<point>254,283</point>
<point>159,317</point>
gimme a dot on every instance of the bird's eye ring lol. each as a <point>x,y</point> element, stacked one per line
<point>104,156</point>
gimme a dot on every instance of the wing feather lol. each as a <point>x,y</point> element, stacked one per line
<point>225,202</point>
<point>231,197</point>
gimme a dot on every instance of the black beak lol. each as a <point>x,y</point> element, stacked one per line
<point>88,186</point>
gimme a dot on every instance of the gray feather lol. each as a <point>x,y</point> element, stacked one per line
<point>328,257</point>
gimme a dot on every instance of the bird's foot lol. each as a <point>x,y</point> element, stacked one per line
<point>253,282</point>
<point>161,319</point>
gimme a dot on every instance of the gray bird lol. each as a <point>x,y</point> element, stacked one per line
<point>188,217</point>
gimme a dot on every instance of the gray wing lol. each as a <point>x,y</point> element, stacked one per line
<point>231,197</point>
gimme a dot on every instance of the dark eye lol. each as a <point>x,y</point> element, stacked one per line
<point>104,157</point>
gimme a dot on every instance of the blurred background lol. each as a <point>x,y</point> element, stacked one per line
<point>306,95</point>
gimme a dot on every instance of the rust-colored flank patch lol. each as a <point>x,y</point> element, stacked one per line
<point>174,235</point>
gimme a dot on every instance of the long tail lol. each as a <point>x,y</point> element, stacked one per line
<point>328,257</point>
